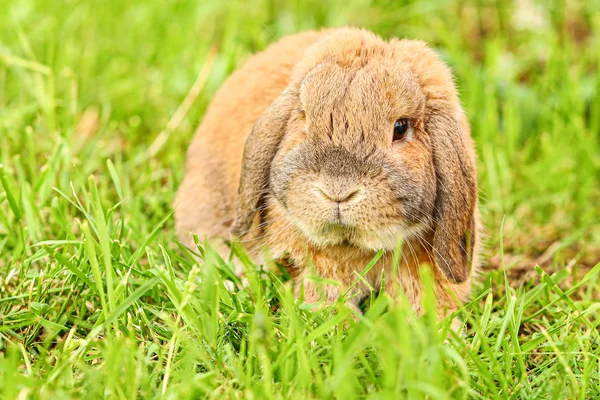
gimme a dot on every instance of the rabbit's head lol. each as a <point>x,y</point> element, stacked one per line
<point>366,146</point>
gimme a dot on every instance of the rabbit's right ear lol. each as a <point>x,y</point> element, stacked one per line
<point>261,147</point>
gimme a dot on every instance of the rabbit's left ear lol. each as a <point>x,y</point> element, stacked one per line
<point>456,196</point>
<point>259,151</point>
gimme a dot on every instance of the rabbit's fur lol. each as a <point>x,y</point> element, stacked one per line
<point>295,154</point>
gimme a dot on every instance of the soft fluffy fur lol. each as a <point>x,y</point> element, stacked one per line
<point>296,154</point>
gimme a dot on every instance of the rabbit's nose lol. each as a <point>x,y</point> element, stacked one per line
<point>338,195</point>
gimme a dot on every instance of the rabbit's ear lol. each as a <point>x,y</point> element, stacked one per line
<point>456,196</point>
<point>261,147</point>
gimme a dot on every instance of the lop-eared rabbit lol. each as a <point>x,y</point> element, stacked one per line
<point>329,146</point>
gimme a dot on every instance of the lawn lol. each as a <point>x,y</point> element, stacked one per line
<point>98,101</point>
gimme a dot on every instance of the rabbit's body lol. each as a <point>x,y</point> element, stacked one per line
<point>334,179</point>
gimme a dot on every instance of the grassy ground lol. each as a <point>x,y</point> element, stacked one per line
<point>97,299</point>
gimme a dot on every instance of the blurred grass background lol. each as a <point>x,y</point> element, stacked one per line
<point>86,88</point>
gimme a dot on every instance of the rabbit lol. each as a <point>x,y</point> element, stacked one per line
<point>329,146</point>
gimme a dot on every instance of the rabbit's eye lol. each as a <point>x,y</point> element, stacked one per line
<point>400,129</point>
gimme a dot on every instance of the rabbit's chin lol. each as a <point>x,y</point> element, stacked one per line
<point>386,238</point>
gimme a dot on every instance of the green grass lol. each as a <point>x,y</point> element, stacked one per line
<point>97,299</point>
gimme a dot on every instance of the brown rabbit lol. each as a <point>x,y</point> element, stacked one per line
<point>329,146</point>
